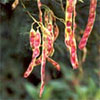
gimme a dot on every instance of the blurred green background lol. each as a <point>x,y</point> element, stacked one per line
<point>15,56</point>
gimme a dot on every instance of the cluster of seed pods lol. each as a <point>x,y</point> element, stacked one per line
<point>70,27</point>
<point>48,31</point>
<point>91,19</point>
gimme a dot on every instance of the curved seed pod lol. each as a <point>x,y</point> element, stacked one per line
<point>43,62</point>
<point>45,46</point>
<point>38,61</point>
<point>49,40</point>
<point>32,37</point>
<point>73,54</point>
<point>33,64</point>
<point>68,19</point>
<point>35,42</point>
<point>74,59</point>
<point>35,39</point>
<point>47,49</point>
<point>54,63</point>
<point>69,35</point>
<point>50,49</point>
<point>74,15</point>
<point>91,19</point>
<point>30,68</point>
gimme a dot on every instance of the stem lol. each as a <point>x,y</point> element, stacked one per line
<point>60,19</point>
<point>29,13</point>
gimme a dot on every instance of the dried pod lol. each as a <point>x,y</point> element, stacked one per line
<point>91,19</point>
<point>54,63</point>
<point>35,42</point>
<point>69,33</point>
<point>43,62</point>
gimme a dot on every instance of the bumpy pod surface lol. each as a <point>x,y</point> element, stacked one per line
<point>47,46</point>
<point>69,33</point>
<point>35,42</point>
<point>91,19</point>
<point>49,33</point>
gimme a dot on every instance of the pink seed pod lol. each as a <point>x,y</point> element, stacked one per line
<point>43,62</point>
<point>50,49</point>
<point>32,37</point>
<point>73,53</point>
<point>38,61</point>
<point>35,39</point>
<point>74,15</point>
<point>91,19</point>
<point>30,68</point>
<point>73,56</point>
<point>69,33</point>
<point>35,42</point>
<point>32,65</point>
<point>36,53</point>
<point>55,64</point>
<point>49,38</point>
<point>50,27</point>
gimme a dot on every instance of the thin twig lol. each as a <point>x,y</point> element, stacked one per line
<point>60,19</point>
<point>29,13</point>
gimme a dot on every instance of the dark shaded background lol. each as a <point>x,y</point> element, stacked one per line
<point>15,56</point>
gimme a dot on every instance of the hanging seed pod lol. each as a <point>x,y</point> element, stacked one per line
<point>68,20</point>
<point>91,19</point>
<point>47,50</point>
<point>35,42</point>
<point>69,35</point>
<point>43,62</point>
<point>50,35</point>
<point>30,68</point>
<point>55,64</point>
<point>43,71</point>
<point>74,15</point>
<point>32,37</point>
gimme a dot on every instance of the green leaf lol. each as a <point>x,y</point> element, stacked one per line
<point>31,89</point>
